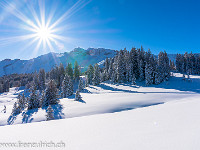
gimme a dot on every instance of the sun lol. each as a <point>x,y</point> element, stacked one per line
<point>44,33</point>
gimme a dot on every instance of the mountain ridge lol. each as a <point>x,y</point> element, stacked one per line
<point>50,60</point>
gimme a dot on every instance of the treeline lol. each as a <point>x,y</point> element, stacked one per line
<point>14,80</point>
<point>128,66</point>
<point>188,63</point>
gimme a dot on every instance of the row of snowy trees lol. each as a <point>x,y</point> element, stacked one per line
<point>128,66</point>
<point>188,63</point>
<point>14,80</point>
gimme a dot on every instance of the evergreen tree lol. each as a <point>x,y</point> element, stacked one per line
<point>78,96</point>
<point>134,79</point>
<point>71,87</point>
<point>51,96</point>
<point>86,81</point>
<point>66,87</point>
<point>96,76</point>
<point>42,79</point>
<point>22,101</point>
<point>60,75</point>
<point>33,101</point>
<point>120,68</point>
<point>141,70</point>
<point>148,75</point>
<point>90,73</point>
<point>76,71</point>
<point>80,85</point>
<point>69,70</point>
<point>42,99</point>
<point>50,113</point>
<point>36,81</point>
<point>16,109</point>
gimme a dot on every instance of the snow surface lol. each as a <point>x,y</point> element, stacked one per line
<point>165,116</point>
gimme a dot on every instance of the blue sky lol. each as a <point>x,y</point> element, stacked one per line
<point>168,25</point>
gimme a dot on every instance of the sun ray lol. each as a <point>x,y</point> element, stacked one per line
<point>76,7</point>
<point>41,28</point>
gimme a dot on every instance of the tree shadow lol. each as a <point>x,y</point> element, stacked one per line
<point>81,101</point>
<point>178,83</point>
<point>27,116</point>
<point>57,109</point>
<point>12,118</point>
<point>105,87</point>
<point>119,109</point>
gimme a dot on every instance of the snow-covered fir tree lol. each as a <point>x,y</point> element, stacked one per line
<point>80,85</point>
<point>42,98</point>
<point>141,70</point>
<point>16,109</point>
<point>36,81</point>
<point>96,76</point>
<point>67,87</point>
<point>51,96</point>
<point>69,70</point>
<point>148,75</point>
<point>50,113</point>
<point>133,79</point>
<point>86,81</point>
<point>76,71</point>
<point>33,100</point>
<point>90,73</point>
<point>22,101</point>
<point>78,96</point>
<point>120,68</point>
<point>42,79</point>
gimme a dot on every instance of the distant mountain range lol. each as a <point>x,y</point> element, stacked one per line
<point>47,61</point>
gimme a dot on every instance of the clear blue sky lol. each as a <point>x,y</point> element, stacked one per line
<point>171,25</point>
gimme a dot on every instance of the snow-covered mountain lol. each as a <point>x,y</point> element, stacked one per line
<point>47,61</point>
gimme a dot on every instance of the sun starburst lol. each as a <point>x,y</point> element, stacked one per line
<point>41,28</point>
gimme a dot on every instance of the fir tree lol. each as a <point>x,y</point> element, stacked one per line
<point>80,85</point>
<point>86,81</point>
<point>141,70</point>
<point>96,77</point>
<point>42,79</point>
<point>78,96</point>
<point>133,80</point>
<point>67,87</point>
<point>33,101</point>
<point>76,71</point>
<point>51,96</point>
<point>69,70</point>
<point>50,113</point>
<point>90,73</point>
<point>71,87</point>
<point>148,75</point>
<point>36,81</point>
<point>120,68</point>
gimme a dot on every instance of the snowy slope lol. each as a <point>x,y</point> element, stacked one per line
<point>47,61</point>
<point>169,126</point>
<point>164,116</point>
<point>106,98</point>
